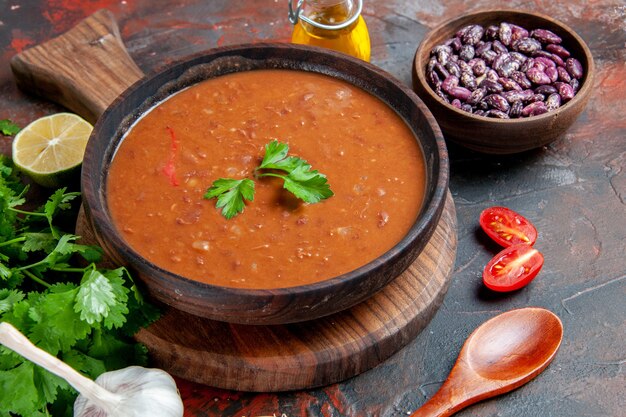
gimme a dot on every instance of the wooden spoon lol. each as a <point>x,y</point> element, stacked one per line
<point>502,354</point>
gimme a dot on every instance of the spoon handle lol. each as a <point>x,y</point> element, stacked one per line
<point>442,404</point>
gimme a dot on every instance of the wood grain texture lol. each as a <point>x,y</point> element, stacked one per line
<point>314,353</point>
<point>502,354</point>
<point>84,69</point>
<point>503,136</point>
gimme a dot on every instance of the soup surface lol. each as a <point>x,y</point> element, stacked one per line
<point>218,129</point>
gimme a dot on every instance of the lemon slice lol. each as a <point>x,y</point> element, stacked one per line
<point>50,150</point>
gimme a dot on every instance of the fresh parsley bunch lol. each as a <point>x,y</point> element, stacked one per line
<point>84,315</point>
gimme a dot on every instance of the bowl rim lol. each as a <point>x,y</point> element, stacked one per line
<point>581,95</point>
<point>427,218</point>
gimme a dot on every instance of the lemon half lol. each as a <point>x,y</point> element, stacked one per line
<point>50,150</point>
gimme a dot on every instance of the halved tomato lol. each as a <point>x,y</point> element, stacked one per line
<point>513,268</point>
<point>507,227</point>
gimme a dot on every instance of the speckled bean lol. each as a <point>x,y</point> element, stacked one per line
<point>558,50</point>
<point>497,102</point>
<point>492,32</point>
<point>453,68</point>
<point>477,95</point>
<point>574,68</point>
<point>479,68</point>
<point>534,109</point>
<point>520,78</point>
<point>505,33</point>
<point>468,80</point>
<point>552,73</point>
<point>526,45</point>
<point>482,47</point>
<point>450,82</point>
<point>566,91</point>
<point>545,90</point>
<point>553,101</point>
<point>467,52</point>
<point>461,93</point>
<point>497,114</point>
<point>516,110</point>
<point>546,36</point>
<point>509,84</point>
<point>518,32</point>
<point>491,86</point>
<point>473,35</point>
<point>564,75</point>
<point>537,76</point>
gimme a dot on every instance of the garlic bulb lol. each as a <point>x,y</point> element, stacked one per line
<point>128,392</point>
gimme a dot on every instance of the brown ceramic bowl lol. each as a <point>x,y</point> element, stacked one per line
<point>272,306</point>
<point>502,136</point>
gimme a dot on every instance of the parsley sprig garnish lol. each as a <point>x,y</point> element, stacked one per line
<point>53,292</point>
<point>8,128</point>
<point>298,177</point>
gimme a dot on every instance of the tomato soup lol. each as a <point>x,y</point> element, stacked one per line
<point>218,129</point>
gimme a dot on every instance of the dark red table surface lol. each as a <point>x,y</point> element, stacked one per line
<point>573,190</point>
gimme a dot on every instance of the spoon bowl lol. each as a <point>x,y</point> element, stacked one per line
<point>502,354</point>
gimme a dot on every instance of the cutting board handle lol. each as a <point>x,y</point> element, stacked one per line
<point>84,69</point>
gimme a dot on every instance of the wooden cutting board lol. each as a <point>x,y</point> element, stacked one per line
<point>307,354</point>
<point>72,70</point>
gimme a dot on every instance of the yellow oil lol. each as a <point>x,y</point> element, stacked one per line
<point>353,40</point>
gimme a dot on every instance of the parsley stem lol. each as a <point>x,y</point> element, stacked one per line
<point>29,213</point>
<point>16,240</point>
<point>81,270</point>
<point>36,279</point>
<point>270,174</point>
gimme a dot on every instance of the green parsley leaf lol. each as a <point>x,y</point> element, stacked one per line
<point>230,195</point>
<point>102,297</point>
<point>308,185</point>
<point>8,128</point>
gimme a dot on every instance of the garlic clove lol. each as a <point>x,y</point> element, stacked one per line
<point>143,392</point>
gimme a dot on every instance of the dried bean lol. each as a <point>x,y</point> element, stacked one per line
<point>545,90</point>
<point>518,57</point>
<point>473,35</point>
<point>491,86</point>
<point>461,93</point>
<point>492,32</point>
<point>526,45</point>
<point>480,113</point>
<point>534,109</point>
<point>453,68</point>
<point>492,75</point>
<point>499,47</point>
<point>557,60</point>
<point>465,67</point>
<point>449,83</point>
<point>489,56</point>
<point>497,114</point>
<point>479,68</point>
<point>507,68</point>
<point>509,84</point>
<point>441,94</point>
<point>443,72</point>
<point>536,97</point>
<point>566,91</point>
<point>431,64</point>
<point>516,110</point>
<point>537,76</point>
<point>485,46</point>
<point>518,32</point>
<point>433,79</point>
<point>528,64</point>
<point>477,95</point>
<point>553,102</point>
<point>467,52</point>
<point>497,102</point>
<point>505,33</point>
<point>454,43</point>
<point>467,107</point>
<point>558,50</point>
<point>545,61</point>
<point>463,31</point>
<point>456,103</point>
<point>468,80</point>
<point>575,84</point>
<point>520,78</point>
<point>545,36</point>
<point>574,68</point>
<point>552,73</point>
